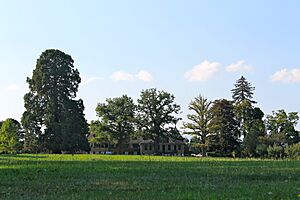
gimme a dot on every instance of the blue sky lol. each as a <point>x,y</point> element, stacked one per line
<point>184,47</point>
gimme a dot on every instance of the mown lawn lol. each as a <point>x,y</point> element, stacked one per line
<point>146,177</point>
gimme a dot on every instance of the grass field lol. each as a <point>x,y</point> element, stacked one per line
<point>146,177</point>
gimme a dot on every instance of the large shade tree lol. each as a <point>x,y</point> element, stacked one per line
<point>156,116</point>
<point>54,120</point>
<point>116,123</point>
<point>199,120</point>
<point>281,127</point>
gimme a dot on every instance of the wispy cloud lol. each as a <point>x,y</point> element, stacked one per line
<point>144,76</point>
<point>239,66</point>
<point>287,76</point>
<point>85,80</point>
<point>202,72</point>
<point>122,76</point>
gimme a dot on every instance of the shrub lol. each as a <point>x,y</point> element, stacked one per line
<point>261,150</point>
<point>275,151</point>
<point>293,151</point>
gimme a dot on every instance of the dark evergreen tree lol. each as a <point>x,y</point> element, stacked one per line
<point>224,129</point>
<point>243,91</point>
<point>156,116</point>
<point>242,96</point>
<point>255,127</point>
<point>53,120</point>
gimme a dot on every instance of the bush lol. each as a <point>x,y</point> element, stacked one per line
<point>275,151</point>
<point>261,150</point>
<point>293,151</point>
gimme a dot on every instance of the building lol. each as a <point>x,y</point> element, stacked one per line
<point>140,147</point>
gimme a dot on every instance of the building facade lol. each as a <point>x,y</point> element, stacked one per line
<point>140,147</point>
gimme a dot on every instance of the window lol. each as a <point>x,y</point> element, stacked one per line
<point>146,147</point>
<point>169,147</point>
<point>179,147</point>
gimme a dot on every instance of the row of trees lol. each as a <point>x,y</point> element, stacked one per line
<point>238,127</point>
<point>154,117</point>
<point>54,121</point>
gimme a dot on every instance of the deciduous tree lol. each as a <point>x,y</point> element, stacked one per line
<point>116,123</point>
<point>199,121</point>
<point>10,136</point>
<point>281,128</point>
<point>156,116</point>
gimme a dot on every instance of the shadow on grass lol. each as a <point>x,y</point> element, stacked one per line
<point>47,177</point>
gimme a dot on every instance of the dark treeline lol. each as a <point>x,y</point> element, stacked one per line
<point>54,121</point>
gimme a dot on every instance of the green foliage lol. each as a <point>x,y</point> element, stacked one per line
<point>199,121</point>
<point>254,128</point>
<point>292,151</point>
<point>156,116</point>
<point>281,128</point>
<point>53,120</point>
<point>116,123</point>
<point>243,91</point>
<point>261,150</point>
<point>224,128</point>
<point>10,136</point>
<point>195,145</point>
<point>275,151</point>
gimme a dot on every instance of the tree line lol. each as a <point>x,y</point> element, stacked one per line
<point>54,121</point>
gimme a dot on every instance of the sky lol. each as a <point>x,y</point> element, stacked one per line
<point>186,47</point>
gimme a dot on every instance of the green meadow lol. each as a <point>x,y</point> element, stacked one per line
<point>44,176</point>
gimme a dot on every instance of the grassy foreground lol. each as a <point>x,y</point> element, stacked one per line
<point>146,177</point>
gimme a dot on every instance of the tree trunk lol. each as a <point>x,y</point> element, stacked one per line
<point>119,145</point>
<point>204,149</point>
<point>156,146</point>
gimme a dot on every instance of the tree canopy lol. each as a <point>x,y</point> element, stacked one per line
<point>11,136</point>
<point>198,124</point>
<point>156,116</point>
<point>53,120</point>
<point>224,128</point>
<point>243,91</point>
<point>281,128</point>
<point>116,123</point>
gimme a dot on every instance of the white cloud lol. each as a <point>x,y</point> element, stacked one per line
<point>13,87</point>
<point>287,76</point>
<point>85,80</point>
<point>202,72</point>
<point>122,76</point>
<point>144,76</point>
<point>239,66</point>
